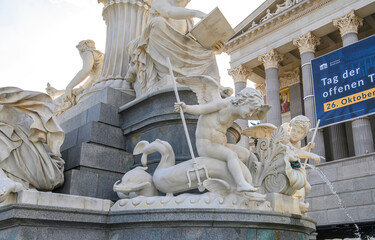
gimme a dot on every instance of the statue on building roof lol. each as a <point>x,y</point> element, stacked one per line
<point>267,16</point>
<point>282,7</point>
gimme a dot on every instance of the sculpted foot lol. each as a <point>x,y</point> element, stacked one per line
<point>246,187</point>
<point>8,186</point>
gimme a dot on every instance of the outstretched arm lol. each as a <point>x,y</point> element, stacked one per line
<point>304,154</point>
<point>168,10</point>
<point>88,62</point>
<point>207,108</point>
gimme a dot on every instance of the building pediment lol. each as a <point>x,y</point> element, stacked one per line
<point>273,8</point>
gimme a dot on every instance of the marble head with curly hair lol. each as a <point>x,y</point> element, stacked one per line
<point>301,121</point>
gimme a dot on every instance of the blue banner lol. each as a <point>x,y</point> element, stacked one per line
<point>344,83</point>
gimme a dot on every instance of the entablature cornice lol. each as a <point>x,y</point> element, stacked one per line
<point>293,13</point>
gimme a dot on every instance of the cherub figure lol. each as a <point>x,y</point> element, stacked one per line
<point>298,128</point>
<point>216,116</point>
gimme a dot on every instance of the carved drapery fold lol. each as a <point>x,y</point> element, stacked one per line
<point>239,73</point>
<point>348,23</point>
<point>270,59</point>
<point>125,21</point>
<point>306,42</point>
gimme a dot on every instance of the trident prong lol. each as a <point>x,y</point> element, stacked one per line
<point>195,168</point>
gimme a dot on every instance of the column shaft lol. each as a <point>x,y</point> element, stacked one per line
<point>349,38</point>
<point>362,134</point>
<point>273,96</point>
<point>309,102</point>
<point>296,100</point>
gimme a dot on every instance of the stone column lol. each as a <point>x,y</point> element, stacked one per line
<point>271,61</point>
<point>125,20</point>
<point>306,45</point>
<point>292,81</point>
<point>362,135</point>
<point>240,75</point>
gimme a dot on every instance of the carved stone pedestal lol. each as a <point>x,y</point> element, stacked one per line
<point>94,147</point>
<point>43,222</point>
<point>153,117</point>
<point>284,203</point>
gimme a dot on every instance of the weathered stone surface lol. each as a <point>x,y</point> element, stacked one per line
<point>90,182</point>
<point>100,112</point>
<point>357,198</point>
<point>97,156</point>
<point>336,216</point>
<point>317,190</point>
<point>364,183</point>
<point>45,223</point>
<point>355,186</point>
<point>340,187</point>
<point>367,212</point>
<point>324,202</point>
<point>62,200</point>
<point>284,203</point>
<point>108,95</point>
<point>95,132</point>
<point>319,216</point>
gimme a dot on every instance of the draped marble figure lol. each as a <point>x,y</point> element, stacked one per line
<point>88,75</point>
<point>30,141</point>
<point>166,35</point>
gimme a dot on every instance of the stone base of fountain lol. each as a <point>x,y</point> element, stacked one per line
<point>44,222</point>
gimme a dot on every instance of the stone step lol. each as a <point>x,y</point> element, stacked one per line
<point>107,96</point>
<point>49,199</point>
<point>101,112</point>
<point>97,156</point>
<point>95,132</point>
<point>90,182</point>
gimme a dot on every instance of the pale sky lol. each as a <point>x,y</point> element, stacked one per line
<point>38,38</point>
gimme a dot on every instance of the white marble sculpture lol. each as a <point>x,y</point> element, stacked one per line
<point>220,167</point>
<point>282,7</point>
<point>276,165</point>
<point>135,183</point>
<point>267,16</point>
<point>166,35</point>
<point>88,75</point>
<point>30,141</point>
<point>173,179</point>
<point>216,116</point>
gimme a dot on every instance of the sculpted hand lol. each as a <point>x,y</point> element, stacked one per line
<point>316,157</point>
<point>51,90</point>
<point>178,105</point>
<point>199,14</point>
<point>68,94</point>
<point>310,146</point>
<point>218,47</point>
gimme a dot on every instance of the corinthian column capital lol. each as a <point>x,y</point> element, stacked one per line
<point>239,73</point>
<point>348,23</point>
<point>271,59</point>
<point>306,42</point>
